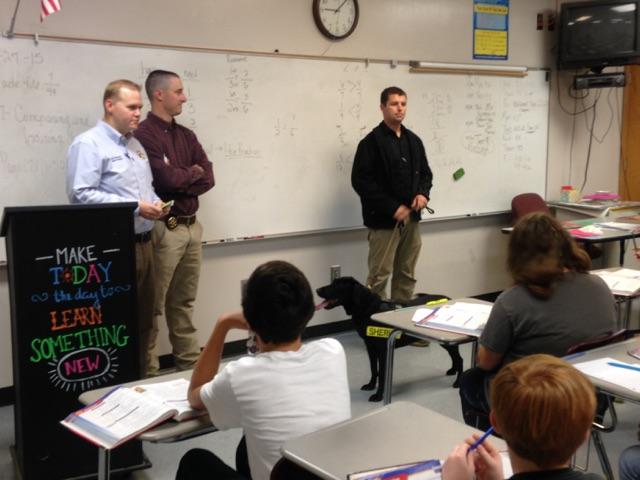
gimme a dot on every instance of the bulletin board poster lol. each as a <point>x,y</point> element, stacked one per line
<point>490,29</point>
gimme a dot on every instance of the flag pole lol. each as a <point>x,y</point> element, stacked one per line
<point>9,33</point>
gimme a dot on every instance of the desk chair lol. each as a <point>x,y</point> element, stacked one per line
<point>526,203</point>
<point>604,402</point>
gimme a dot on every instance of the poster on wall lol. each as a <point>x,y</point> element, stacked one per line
<point>490,29</point>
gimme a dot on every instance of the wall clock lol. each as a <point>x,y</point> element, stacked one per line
<point>336,19</point>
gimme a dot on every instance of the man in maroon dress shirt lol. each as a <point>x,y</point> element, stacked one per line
<point>181,172</point>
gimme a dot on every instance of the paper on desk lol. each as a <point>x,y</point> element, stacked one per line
<point>507,469</point>
<point>588,231</point>
<point>421,314</point>
<point>619,376</point>
<point>627,273</point>
<point>619,226</point>
<point>623,282</point>
<point>172,392</point>
<point>423,470</point>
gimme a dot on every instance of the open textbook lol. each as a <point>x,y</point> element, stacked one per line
<point>460,317</point>
<point>125,412</point>
<point>623,281</point>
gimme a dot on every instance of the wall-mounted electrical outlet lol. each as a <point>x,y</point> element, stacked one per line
<point>334,272</point>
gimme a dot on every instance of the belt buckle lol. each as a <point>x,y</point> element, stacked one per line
<point>172,222</point>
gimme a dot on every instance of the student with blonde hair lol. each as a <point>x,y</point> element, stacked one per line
<point>554,304</point>
<point>543,408</point>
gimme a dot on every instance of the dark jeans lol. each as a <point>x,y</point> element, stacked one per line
<point>473,397</point>
<point>202,464</point>
<point>198,463</point>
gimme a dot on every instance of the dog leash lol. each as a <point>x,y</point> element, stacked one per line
<point>398,226</point>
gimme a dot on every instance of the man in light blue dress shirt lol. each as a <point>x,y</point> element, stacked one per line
<point>106,164</point>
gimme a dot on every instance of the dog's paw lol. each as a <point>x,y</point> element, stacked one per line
<point>456,384</point>
<point>376,397</point>
<point>451,371</point>
<point>368,386</point>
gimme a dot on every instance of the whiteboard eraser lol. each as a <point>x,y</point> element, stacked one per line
<point>458,174</point>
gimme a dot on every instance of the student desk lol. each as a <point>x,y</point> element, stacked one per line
<point>167,432</point>
<point>402,432</point>
<point>400,321</point>
<point>625,299</point>
<point>617,351</point>
<point>608,234</point>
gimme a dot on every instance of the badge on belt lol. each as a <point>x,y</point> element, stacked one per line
<point>172,222</point>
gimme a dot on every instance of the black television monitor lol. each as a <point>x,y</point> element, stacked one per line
<point>598,34</point>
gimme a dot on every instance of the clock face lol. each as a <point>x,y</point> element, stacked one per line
<point>336,19</point>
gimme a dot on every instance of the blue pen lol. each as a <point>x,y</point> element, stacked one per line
<point>477,443</point>
<point>623,365</point>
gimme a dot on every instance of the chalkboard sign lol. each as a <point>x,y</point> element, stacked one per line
<point>73,326</point>
<point>281,132</point>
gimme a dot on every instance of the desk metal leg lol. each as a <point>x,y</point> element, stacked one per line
<point>104,464</point>
<point>474,352</point>
<point>602,455</point>
<point>622,249</point>
<point>388,367</point>
<point>623,311</point>
<point>627,313</point>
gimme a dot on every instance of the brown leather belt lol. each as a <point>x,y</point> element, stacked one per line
<point>172,221</point>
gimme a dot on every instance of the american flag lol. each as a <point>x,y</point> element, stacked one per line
<point>47,7</point>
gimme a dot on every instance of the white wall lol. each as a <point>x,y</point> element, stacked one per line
<point>460,257</point>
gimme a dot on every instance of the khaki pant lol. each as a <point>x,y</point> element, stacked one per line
<point>146,297</point>
<point>402,249</point>
<point>177,257</point>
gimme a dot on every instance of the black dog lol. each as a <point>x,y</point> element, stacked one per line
<point>360,303</point>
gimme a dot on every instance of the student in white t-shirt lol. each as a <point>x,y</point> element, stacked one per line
<point>287,390</point>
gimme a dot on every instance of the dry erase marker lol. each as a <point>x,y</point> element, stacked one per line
<point>477,443</point>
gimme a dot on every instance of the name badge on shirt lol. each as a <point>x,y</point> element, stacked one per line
<point>141,154</point>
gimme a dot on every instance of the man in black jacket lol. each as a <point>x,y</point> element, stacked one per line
<point>393,179</point>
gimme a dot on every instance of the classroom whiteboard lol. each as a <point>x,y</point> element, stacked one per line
<point>281,132</point>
